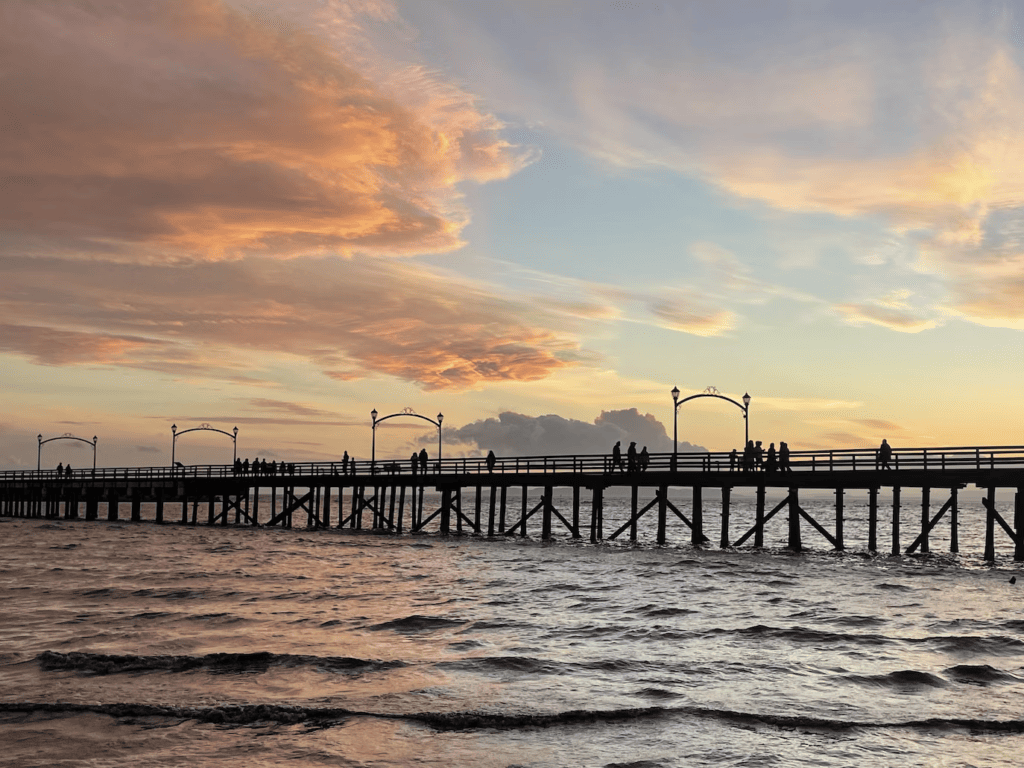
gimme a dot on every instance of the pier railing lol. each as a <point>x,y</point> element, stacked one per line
<point>856,459</point>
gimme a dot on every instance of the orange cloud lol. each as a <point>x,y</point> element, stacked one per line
<point>191,130</point>
<point>361,315</point>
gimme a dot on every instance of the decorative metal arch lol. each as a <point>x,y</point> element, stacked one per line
<point>65,436</point>
<point>708,392</point>
<point>404,412</point>
<point>175,434</point>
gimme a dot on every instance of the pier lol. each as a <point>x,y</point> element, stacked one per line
<point>388,496</point>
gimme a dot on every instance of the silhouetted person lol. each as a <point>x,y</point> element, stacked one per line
<point>67,471</point>
<point>784,457</point>
<point>645,459</point>
<point>631,458</point>
<point>245,467</point>
<point>491,461</point>
<point>344,463</point>
<point>884,455</point>
<point>263,467</point>
<point>617,457</point>
<point>748,456</point>
<point>771,463</point>
<point>423,460</point>
<point>733,458</point>
<point>758,454</point>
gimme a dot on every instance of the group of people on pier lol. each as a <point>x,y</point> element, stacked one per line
<point>261,467</point>
<point>635,461</point>
<point>756,459</point>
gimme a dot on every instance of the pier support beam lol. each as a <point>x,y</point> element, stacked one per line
<point>872,520</point>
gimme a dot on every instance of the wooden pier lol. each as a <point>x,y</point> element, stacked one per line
<point>389,496</point>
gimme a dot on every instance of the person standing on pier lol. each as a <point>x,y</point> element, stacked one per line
<point>784,457</point>
<point>617,457</point>
<point>491,461</point>
<point>60,469</point>
<point>733,458</point>
<point>884,455</point>
<point>423,460</point>
<point>748,456</point>
<point>344,463</point>
<point>631,458</point>
<point>771,463</point>
<point>645,459</point>
<point>758,455</point>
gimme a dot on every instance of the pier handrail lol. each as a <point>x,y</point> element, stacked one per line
<point>939,459</point>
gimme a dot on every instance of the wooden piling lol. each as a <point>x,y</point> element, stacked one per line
<point>662,514</point>
<point>159,505</point>
<point>136,505</point>
<point>112,504</point>
<point>925,518</point>
<point>840,513</point>
<point>954,522</point>
<point>724,540</point>
<point>759,518</point>
<point>545,531</point>
<point>633,507</point>
<point>576,511</point>
<point>795,544</point>
<point>872,520</point>
<point>1018,525</point>
<point>522,515</point>
<point>501,521</point>
<point>491,510</point>
<point>990,526</point>
<point>896,520</point>
<point>697,530</point>
<point>401,508</point>
<point>476,509</point>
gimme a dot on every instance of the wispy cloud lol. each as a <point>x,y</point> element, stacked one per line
<point>195,130</point>
<point>358,314</point>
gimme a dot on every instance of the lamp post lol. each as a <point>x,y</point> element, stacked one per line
<point>440,418</point>
<point>235,439</point>
<point>94,439</point>
<point>174,441</point>
<point>746,419</point>
<point>39,454</point>
<point>373,448</point>
<point>675,425</point>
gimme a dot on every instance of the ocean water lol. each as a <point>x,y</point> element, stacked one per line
<point>132,644</point>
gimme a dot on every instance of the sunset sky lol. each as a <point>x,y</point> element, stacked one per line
<point>534,217</point>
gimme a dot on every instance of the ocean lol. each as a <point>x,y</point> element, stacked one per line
<point>133,644</point>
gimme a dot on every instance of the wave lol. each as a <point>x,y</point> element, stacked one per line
<point>106,664</point>
<point>254,714</point>
<point>901,679</point>
<point>418,623</point>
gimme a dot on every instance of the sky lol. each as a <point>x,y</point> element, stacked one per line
<point>536,218</point>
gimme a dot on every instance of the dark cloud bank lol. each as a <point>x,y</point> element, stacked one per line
<point>514,434</point>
